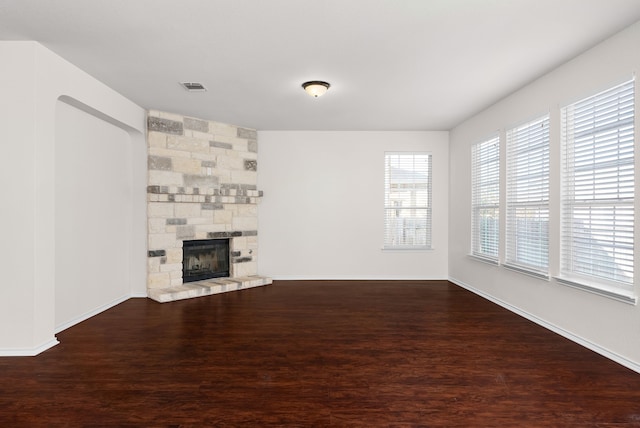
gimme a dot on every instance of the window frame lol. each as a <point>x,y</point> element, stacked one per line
<point>527,211</point>
<point>485,198</point>
<point>421,198</point>
<point>588,126</point>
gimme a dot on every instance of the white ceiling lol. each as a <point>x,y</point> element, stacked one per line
<point>392,64</point>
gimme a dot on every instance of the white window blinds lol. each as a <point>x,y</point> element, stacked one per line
<point>485,198</point>
<point>598,188</point>
<point>527,205</point>
<point>407,200</point>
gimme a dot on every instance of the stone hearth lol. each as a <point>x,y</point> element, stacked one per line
<point>206,288</point>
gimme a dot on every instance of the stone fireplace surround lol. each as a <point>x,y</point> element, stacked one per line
<point>202,184</point>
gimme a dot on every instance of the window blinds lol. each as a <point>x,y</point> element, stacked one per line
<point>598,187</point>
<point>485,198</point>
<point>527,207</point>
<point>407,200</point>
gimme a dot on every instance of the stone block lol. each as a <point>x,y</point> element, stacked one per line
<point>184,210</point>
<point>245,269</point>
<point>172,267</point>
<point>160,210</point>
<point>157,253</point>
<point>176,273</point>
<point>165,178</point>
<point>170,153</point>
<point>250,165</point>
<point>187,166</point>
<point>247,211</point>
<point>220,145</point>
<point>207,218</point>
<point>156,140</point>
<point>191,145</point>
<point>197,134</point>
<point>196,124</point>
<point>212,206</point>
<point>239,144</point>
<point>177,221</point>
<point>186,232</point>
<point>249,134</point>
<point>160,163</point>
<point>219,128</point>
<point>197,180</point>
<point>239,243</point>
<point>162,240</point>
<point>222,217</point>
<point>156,225</point>
<point>158,280</point>
<point>252,146</point>
<point>252,243</point>
<point>204,156</point>
<point>174,255</point>
<point>166,126</point>
<point>207,230</point>
<point>245,177</point>
<point>153,265</point>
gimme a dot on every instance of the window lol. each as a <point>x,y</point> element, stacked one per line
<point>407,200</point>
<point>527,208</point>
<point>485,199</point>
<point>598,190</point>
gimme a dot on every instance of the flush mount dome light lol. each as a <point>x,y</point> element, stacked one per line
<point>316,88</point>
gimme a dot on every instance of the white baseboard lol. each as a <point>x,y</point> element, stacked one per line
<point>349,278</point>
<point>29,352</point>
<point>574,338</point>
<point>91,313</point>
<point>138,295</point>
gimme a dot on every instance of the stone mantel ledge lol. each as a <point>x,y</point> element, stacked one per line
<point>205,288</point>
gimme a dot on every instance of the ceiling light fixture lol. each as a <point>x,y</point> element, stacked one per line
<point>316,88</point>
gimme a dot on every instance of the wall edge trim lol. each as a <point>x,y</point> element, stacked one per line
<point>29,352</point>
<point>91,313</point>
<point>552,327</point>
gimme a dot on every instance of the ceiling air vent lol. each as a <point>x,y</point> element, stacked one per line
<point>193,86</point>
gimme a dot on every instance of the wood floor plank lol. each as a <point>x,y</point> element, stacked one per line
<point>316,354</point>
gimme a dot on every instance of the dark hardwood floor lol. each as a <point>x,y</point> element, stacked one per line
<point>316,354</point>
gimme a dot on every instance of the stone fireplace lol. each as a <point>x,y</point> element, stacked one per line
<point>202,186</point>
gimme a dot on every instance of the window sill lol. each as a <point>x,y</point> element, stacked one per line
<point>615,293</point>
<point>486,260</point>
<point>529,272</point>
<point>407,249</point>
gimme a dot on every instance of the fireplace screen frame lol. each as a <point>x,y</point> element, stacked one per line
<point>199,274</point>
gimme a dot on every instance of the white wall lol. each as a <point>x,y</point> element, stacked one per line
<point>93,167</point>
<point>321,216</point>
<point>17,211</point>
<point>607,326</point>
<point>33,80</point>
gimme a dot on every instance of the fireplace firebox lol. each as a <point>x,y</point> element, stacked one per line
<point>205,259</point>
